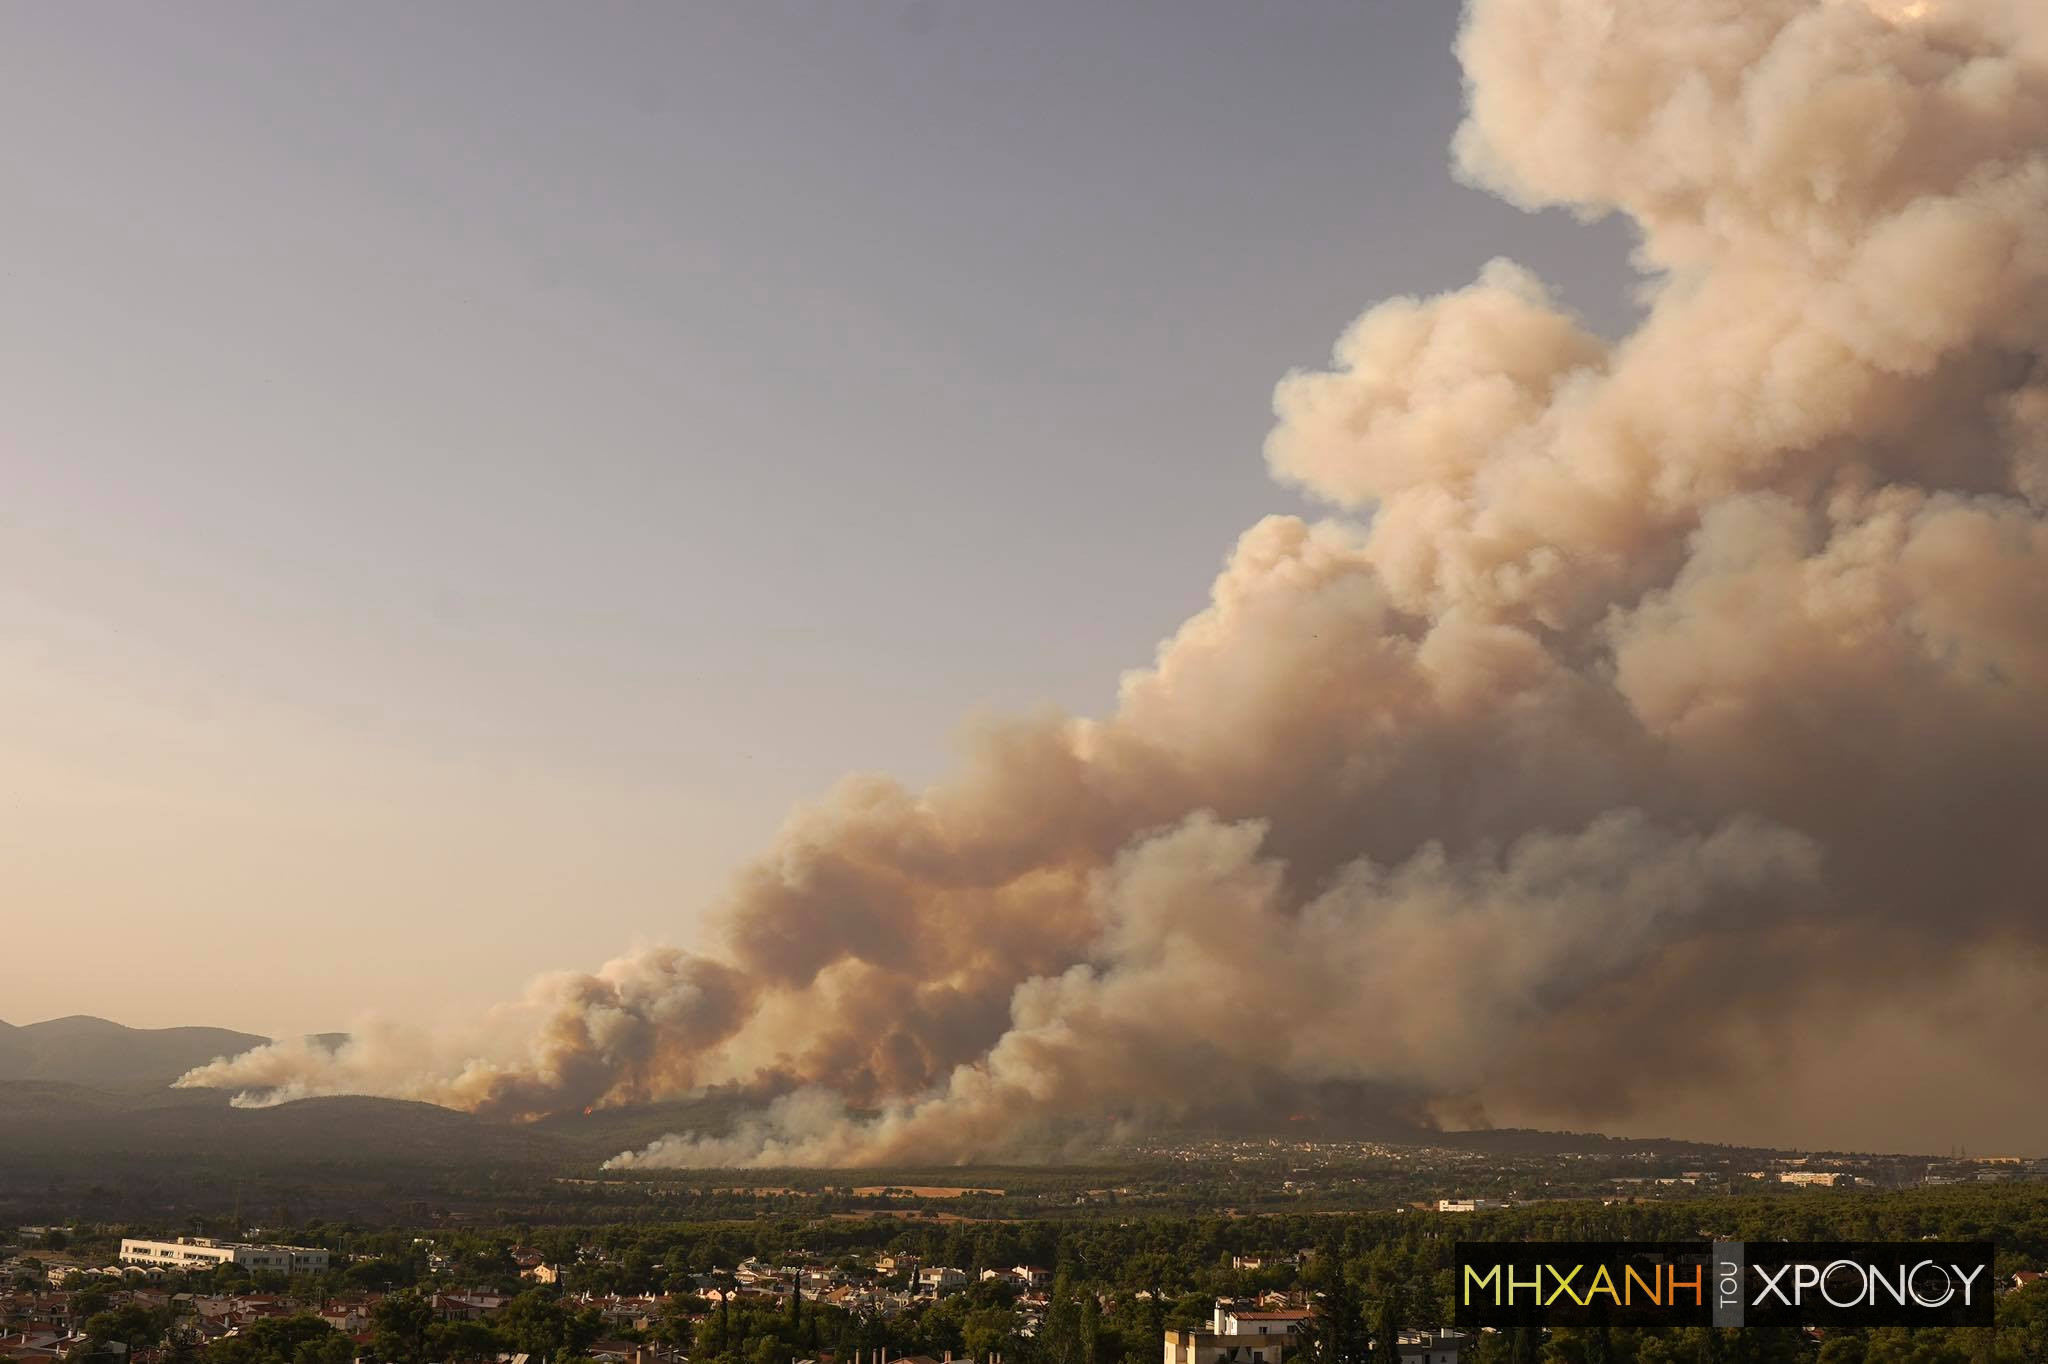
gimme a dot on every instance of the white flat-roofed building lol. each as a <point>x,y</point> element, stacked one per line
<point>1209,1347</point>
<point>1238,1336</point>
<point>200,1253</point>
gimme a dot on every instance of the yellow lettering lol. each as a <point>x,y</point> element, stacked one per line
<point>1564,1285</point>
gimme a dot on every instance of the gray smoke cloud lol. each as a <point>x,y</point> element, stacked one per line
<point>1654,723</point>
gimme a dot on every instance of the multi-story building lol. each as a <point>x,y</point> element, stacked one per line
<point>1434,1347</point>
<point>939,1280</point>
<point>1208,1347</point>
<point>191,1252</point>
<point>1237,1336</point>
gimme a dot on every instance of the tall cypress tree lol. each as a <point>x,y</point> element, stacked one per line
<point>1386,1344</point>
<point>1059,1340</point>
<point>1337,1332</point>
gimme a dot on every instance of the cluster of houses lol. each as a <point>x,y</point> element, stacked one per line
<point>1265,1330</point>
<point>894,1284</point>
<point>41,1324</point>
<point>1803,1171</point>
<point>36,1325</point>
<point>44,1326</point>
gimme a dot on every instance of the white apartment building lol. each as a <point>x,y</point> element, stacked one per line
<point>191,1252</point>
<point>1468,1204</point>
<point>1236,1337</point>
<point>1208,1347</point>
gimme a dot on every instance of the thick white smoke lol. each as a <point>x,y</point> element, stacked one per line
<point>1655,686</point>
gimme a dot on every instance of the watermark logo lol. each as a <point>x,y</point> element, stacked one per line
<point>1724,1283</point>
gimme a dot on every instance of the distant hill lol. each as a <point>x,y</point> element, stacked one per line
<point>84,1093</point>
<point>80,1090</point>
<point>102,1055</point>
<point>83,1099</point>
<point>46,1123</point>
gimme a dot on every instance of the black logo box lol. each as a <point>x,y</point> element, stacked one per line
<point>1739,1283</point>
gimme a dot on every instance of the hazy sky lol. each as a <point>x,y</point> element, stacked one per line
<point>470,469</point>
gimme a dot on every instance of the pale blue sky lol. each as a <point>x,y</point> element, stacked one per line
<point>470,468</point>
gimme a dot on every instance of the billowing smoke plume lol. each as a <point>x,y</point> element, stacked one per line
<point>1639,692</point>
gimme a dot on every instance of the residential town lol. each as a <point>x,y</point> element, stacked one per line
<point>55,1307</point>
<point>1222,1290</point>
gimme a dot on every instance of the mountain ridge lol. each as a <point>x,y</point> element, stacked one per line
<point>95,1052</point>
<point>71,1074</point>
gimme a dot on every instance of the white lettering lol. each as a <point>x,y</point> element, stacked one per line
<point>1771,1285</point>
<point>1863,1284</point>
<point>1948,1288</point>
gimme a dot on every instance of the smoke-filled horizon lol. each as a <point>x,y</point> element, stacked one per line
<point>1655,726</point>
